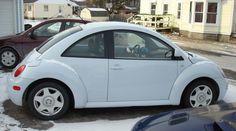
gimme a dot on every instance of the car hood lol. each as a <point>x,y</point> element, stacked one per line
<point>3,38</point>
<point>194,119</point>
<point>194,58</point>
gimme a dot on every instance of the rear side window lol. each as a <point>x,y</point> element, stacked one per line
<point>69,25</point>
<point>53,40</point>
<point>91,46</point>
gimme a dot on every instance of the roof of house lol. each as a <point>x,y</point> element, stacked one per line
<point>51,2</point>
<point>97,9</point>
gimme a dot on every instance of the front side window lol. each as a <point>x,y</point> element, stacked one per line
<point>91,46</point>
<point>45,8</point>
<point>136,45</point>
<point>199,12</point>
<point>212,13</point>
<point>48,30</point>
<point>165,9</point>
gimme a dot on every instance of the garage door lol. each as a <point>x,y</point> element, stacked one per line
<point>6,17</point>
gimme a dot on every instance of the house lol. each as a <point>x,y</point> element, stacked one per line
<point>81,5</point>
<point>46,9</point>
<point>94,14</point>
<point>201,19</point>
<point>11,14</point>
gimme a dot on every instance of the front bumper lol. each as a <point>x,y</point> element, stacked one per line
<point>223,87</point>
<point>17,96</point>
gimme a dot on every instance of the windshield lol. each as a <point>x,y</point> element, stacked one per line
<point>53,40</point>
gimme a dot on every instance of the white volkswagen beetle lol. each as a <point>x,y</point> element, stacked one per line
<point>112,64</point>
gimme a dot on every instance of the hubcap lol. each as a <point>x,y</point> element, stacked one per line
<point>48,101</point>
<point>8,58</point>
<point>201,96</point>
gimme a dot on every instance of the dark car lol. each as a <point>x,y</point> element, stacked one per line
<point>14,48</point>
<point>213,118</point>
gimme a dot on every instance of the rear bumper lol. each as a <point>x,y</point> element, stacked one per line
<point>17,96</point>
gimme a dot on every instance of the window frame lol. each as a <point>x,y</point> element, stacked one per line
<point>179,8</point>
<point>153,10</point>
<point>112,47</point>
<point>107,39</point>
<point>165,12</point>
<point>203,11</point>
<point>214,13</point>
<point>45,8</point>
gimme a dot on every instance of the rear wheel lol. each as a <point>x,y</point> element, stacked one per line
<point>48,101</point>
<point>9,58</point>
<point>199,93</point>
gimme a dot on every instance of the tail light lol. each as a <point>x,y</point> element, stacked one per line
<point>19,70</point>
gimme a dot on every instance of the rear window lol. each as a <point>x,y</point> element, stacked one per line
<point>53,40</point>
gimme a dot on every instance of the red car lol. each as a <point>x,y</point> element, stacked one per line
<point>14,48</point>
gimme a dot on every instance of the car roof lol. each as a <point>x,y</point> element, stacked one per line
<point>113,25</point>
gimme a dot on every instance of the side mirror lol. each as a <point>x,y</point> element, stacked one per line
<point>33,35</point>
<point>177,55</point>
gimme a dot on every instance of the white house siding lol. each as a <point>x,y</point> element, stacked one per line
<point>53,11</point>
<point>234,17</point>
<point>11,21</point>
<point>225,22</point>
<point>37,9</point>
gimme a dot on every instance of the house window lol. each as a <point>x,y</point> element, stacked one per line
<point>45,8</point>
<point>60,9</point>
<point>190,11</point>
<point>199,12</point>
<point>179,11</point>
<point>29,7</point>
<point>211,12</point>
<point>153,8</point>
<point>165,9</point>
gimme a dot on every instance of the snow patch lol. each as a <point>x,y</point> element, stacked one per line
<point>101,125</point>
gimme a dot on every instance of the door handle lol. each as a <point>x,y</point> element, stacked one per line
<point>116,67</point>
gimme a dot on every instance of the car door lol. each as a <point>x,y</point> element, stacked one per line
<point>88,58</point>
<point>142,68</point>
<point>40,34</point>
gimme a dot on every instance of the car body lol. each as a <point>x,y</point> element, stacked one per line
<point>13,48</point>
<point>142,69</point>
<point>220,117</point>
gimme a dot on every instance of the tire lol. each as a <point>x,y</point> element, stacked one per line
<point>48,101</point>
<point>199,93</point>
<point>9,58</point>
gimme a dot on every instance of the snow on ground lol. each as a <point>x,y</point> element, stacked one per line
<point>101,125</point>
<point>8,123</point>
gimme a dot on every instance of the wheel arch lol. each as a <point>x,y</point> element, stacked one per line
<point>202,70</point>
<point>213,82</point>
<point>13,48</point>
<point>31,86</point>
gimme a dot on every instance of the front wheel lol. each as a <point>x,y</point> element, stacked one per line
<point>199,93</point>
<point>48,101</point>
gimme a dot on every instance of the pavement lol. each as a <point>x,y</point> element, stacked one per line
<point>209,46</point>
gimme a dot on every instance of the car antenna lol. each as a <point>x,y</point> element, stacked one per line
<point>82,19</point>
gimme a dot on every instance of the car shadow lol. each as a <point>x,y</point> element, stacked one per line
<point>82,115</point>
